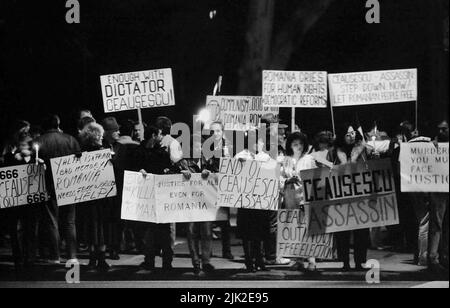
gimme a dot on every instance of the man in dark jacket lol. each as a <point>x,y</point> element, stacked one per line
<point>52,144</point>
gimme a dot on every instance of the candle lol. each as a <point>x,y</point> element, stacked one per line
<point>36,148</point>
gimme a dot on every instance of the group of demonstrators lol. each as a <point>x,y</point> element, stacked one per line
<point>96,226</point>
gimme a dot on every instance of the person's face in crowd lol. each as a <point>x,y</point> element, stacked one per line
<point>297,147</point>
<point>281,136</point>
<point>24,146</point>
<point>112,136</point>
<point>260,146</point>
<point>197,146</point>
<point>85,114</point>
<point>138,133</point>
<point>350,137</point>
<point>217,131</point>
<point>98,138</point>
<point>323,147</point>
<point>443,132</point>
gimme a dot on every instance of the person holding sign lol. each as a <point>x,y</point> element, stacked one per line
<point>439,229</point>
<point>212,165</point>
<point>91,138</point>
<point>52,144</point>
<point>23,241</point>
<point>350,149</point>
<point>152,158</point>
<point>296,160</point>
<point>254,225</point>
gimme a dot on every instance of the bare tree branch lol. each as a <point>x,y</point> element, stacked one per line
<point>292,34</point>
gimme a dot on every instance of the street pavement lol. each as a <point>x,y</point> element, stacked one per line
<point>397,270</point>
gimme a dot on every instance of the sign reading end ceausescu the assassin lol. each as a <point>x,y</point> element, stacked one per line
<point>137,90</point>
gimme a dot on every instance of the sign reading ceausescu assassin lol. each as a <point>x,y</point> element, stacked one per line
<point>350,197</point>
<point>136,90</point>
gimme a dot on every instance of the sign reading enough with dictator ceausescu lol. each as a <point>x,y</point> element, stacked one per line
<point>137,90</point>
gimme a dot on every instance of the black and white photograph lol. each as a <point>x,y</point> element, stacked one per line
<point>224,150</point>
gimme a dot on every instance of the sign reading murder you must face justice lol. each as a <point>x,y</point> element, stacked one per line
<point>90,177</point>
<point>294,240</point>
<point>170,199</point>
<point>135,90</point>
<point>350,197</point>
<point>249,185</point>
<point>379,87</point>
<point>424,167</point>
<point>295,89</point>
<point>238,113</point>
<point>22,185</point>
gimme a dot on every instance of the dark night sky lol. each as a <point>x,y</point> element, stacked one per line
<point>50,66</point>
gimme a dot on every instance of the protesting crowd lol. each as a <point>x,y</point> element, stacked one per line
<point>42,231</point>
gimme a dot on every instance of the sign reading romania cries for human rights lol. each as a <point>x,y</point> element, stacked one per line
<point>82,179</point>
<point>350,197</point>
<point>248,185</point>
<point>137,90</point>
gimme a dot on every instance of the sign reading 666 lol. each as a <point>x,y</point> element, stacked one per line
<point>22,185</point>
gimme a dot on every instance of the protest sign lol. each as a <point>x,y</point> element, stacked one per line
<point>170,199</point>
<point>295,89</point>
<point>294,240</point>
<point>138,197</point>
<point>22,185</point>
<point>180,200</point>
<point>90,177</point>
<point>350,197</point>
<point>424,167</point>
<point>248,185</point>
<point>238,113</point>
<point>137,90</point>
<point>378,87</point>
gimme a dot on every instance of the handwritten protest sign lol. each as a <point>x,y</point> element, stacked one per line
<point>295,89</point>
<point>170,199</point>
<point>138,198</point>
<point>22,185</point>
<point>294,240</point>
<point>424,167</point>
<point>136,90</point>
<point>249,185</point>
<point>350,197</point>
<point>179,200</point>
<point>238,113</point>
<point>379,87</point>
<point>90,177</point>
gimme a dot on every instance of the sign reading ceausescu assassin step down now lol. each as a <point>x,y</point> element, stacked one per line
<point>137,90</point>
<point>378,87</point>
<point>82,179</point>
<point>22,185</point>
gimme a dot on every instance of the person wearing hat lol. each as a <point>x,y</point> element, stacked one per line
<point>113,220</point>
